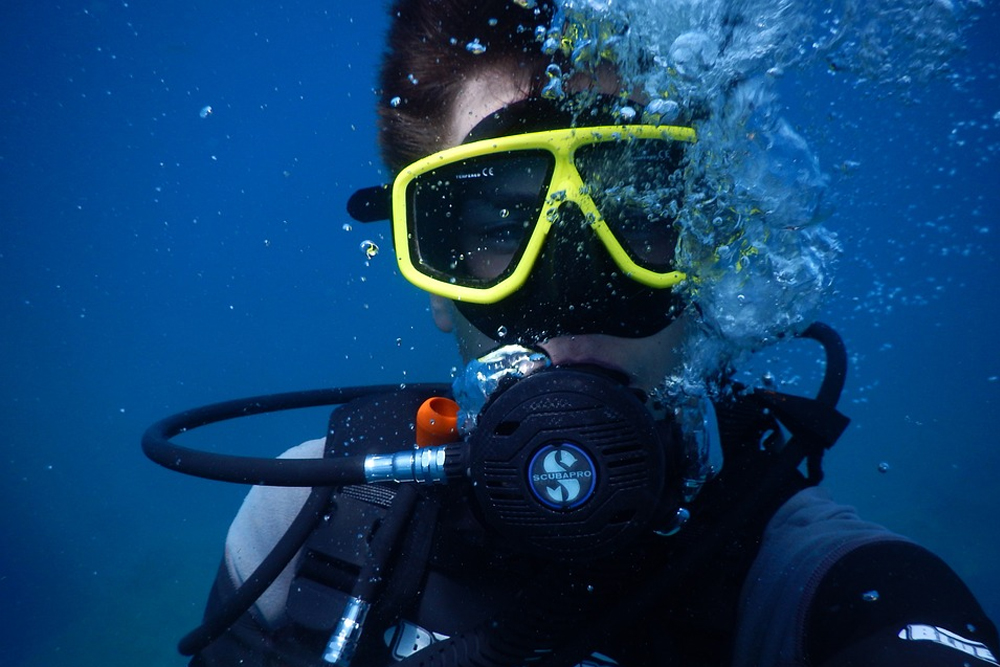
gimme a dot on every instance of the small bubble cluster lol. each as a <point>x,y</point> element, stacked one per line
<point>553,90</point>
<point>369,248</point>
<point>475,47</point>
<point>750,223</point>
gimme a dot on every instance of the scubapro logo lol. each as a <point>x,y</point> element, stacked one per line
<point>562,476</point>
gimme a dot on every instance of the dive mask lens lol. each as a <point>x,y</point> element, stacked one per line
<point>637,187</point>
<point>470,220</point>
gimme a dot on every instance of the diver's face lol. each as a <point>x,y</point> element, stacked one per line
<point>644,360</point>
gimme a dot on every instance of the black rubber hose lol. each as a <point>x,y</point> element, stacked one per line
<point>836,362</point>
<point>263,576</point>
<point>158,447</point>
<point>321,474</point>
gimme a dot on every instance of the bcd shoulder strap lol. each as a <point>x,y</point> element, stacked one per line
<point>373,541</point>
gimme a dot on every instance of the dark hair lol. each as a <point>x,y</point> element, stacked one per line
<point>434,47</point>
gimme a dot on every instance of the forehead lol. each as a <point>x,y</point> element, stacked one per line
<point>488,90</point>
<point>478,97</point>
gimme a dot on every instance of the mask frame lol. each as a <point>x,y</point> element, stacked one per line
<point>565,183</point>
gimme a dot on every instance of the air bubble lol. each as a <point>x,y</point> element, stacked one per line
<point>661,111</point>
<point>475,47</point>
<point>369,248</point>
<point>754,178</point>
<point>553,90</point>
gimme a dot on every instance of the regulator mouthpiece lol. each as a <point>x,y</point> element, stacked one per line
<point>482,377</point>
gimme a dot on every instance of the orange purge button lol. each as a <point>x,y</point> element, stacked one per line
<point>437,422</point>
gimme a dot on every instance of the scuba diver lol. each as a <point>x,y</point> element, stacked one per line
<point>557,510</point>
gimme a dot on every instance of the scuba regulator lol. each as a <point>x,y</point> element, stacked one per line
<point>566,464</point>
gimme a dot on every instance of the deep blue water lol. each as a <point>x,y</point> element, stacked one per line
<point>152,260</point>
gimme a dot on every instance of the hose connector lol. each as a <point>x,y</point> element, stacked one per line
<point>344,640</point>
<point>427,464</point>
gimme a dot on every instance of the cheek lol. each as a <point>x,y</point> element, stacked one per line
<point>487,265</point>
<point>650,367</point>
<point>649,360</point>
<point>472,343</point>
<point>443,313</point>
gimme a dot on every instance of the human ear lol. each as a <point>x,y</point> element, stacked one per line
<point>441,311</point>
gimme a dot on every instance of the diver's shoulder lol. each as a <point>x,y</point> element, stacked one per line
<point>812,517</point>
<point>261,521</point>
<point>310,449</point>
<point>272,508</point>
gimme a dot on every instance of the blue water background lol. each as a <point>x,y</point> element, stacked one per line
<point>152,260</point>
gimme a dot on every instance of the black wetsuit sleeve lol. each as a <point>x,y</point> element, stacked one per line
<point>895,603</point>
